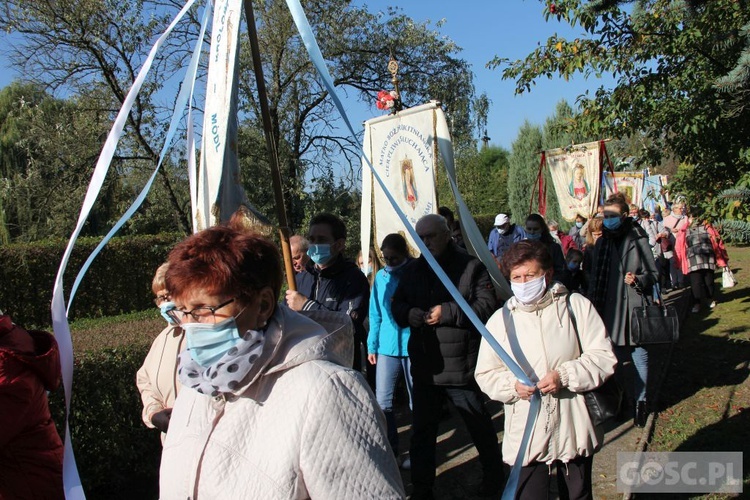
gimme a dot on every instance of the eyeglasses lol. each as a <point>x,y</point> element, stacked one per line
<point>160,299</point>
<point>199,314</point>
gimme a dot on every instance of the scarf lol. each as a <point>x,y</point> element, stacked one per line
<point>227,374</point>
<point>610,238</point>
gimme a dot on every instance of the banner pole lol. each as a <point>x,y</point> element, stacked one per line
<point>273,157</point>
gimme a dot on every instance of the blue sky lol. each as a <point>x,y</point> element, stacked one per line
<point>509,29</point>
<point>483,29</point>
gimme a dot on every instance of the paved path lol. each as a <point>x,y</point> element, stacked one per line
<point>459,471</point>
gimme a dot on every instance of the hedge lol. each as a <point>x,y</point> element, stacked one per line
<point>118,281</point>
<point>116,454</point>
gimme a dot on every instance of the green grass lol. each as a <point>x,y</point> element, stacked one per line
<point>705,400</point>
<point>114,331</point>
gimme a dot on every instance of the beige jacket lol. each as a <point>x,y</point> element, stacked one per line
<point>300,425</point>
<point>545,337</point>
<point>157,378</point>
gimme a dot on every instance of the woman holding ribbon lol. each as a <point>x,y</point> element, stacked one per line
<point>559,341</point>
<point>267,408</point>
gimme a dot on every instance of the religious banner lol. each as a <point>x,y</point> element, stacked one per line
<point>402,149</point>
<point>219,192</point>
<point>628,183</point>
<point>653,193</point>
<point>575,172</point>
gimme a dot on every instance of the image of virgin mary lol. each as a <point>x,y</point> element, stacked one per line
<point>407,179</point>
<point>578,187</point>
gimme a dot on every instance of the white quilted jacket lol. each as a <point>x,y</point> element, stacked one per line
<point>300,426</point>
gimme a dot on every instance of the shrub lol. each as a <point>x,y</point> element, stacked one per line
<point>114,450</point>
<point>118,281</point>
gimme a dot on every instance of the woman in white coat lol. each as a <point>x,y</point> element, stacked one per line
<point>267,409</point>
<point>535,328</point>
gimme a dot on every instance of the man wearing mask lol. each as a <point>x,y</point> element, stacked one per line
<point>443,349</point>
<point>503,235</point>
<point>330,281</point>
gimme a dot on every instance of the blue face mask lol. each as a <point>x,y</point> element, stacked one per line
<point>579,225</point>
<point>320,254</point>
<point>164,308</point>
<point>573,266</point>
<point>613,223</point>
<point>533,236</point>
<point>207,342</point>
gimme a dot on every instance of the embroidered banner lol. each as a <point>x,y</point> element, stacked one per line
<point>402,149</point>
<point>628,183</point>
<point>576,175</point>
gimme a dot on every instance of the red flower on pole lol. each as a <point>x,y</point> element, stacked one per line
<point>386,100</point>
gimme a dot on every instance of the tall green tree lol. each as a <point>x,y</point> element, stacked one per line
<point>482,179</point>
<point>666,57</point>
<point>523,169</point>
<point>49,147</point>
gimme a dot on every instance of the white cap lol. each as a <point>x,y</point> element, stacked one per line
<point>501,219</point>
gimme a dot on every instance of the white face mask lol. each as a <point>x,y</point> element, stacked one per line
<point>531,291</point>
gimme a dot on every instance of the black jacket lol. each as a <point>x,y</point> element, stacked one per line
<point>445,354</point>
<point>340,287</point>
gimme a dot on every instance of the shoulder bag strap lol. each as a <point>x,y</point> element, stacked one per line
<point>573,322</point>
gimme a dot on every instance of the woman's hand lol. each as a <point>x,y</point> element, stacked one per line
<point>160,419</point>
<point>630,279</point>
<point>372,358</point>
<point>550,383</point>
<point>524,391</point>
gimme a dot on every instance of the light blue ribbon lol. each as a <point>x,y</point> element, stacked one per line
<point>308,38</point>
<point>180,104</point>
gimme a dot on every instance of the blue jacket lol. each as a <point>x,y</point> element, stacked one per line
<point>386,337</point>
<point>499,243</point>
<point>340,287</point>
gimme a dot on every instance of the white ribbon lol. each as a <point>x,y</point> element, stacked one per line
<point>71,478</point>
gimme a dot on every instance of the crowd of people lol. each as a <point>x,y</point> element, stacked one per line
<point>257,397</point>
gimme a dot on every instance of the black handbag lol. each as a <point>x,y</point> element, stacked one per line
<point>654,325</point>
<point>603,403</point>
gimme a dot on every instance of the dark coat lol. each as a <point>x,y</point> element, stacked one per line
<point>31,452</point>
<point>339,287</point>
<point>632,253</point>
<point>445,354</point>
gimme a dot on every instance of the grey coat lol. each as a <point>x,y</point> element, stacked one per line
<point>631,254</point>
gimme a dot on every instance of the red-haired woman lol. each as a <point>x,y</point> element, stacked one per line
<point>267,409</point>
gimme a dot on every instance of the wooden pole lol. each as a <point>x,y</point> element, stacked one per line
<point>273,157</point>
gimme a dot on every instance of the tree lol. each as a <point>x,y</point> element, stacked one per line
<point>95,48</point>
<point>76,45</point>
<point>49,147</point>
<point>522,172</point>
<point>482,178</point>
<point>357,45</point>
<point>667,58</point>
